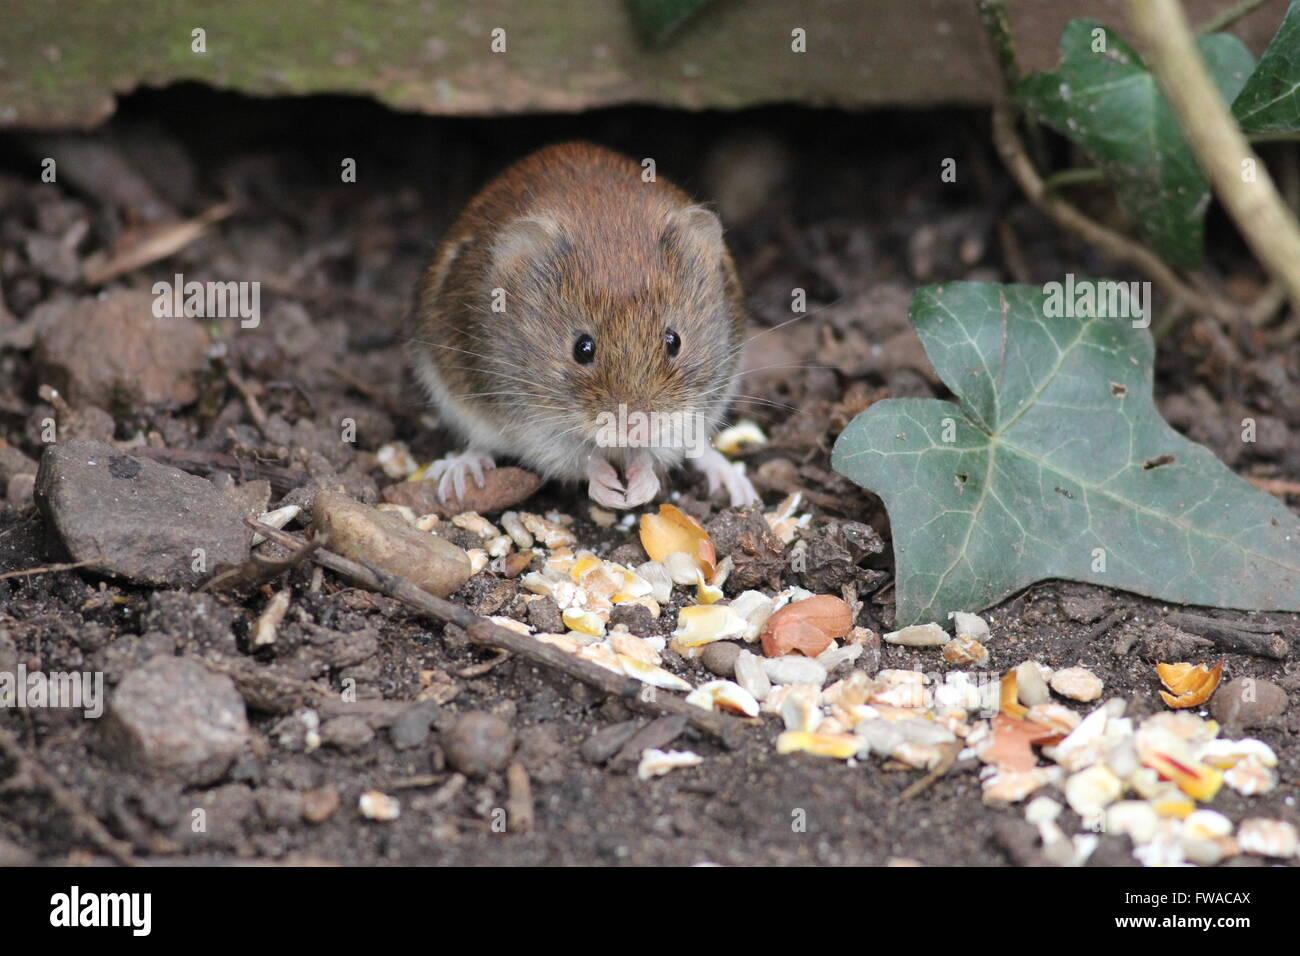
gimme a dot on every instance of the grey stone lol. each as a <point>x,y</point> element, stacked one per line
<point>478,743</point>
<point>175,718</point>
<point>135,518</point>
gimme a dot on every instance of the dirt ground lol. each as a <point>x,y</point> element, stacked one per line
<point>849,207</point>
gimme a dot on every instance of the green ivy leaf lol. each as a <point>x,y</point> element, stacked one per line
<point>1056,464</point>
<point>1270,100</point>
<point>1110,105</point>
<point>656,20</point>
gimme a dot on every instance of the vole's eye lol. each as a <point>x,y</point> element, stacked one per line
<point>673,341</point>
<point>584,350</point>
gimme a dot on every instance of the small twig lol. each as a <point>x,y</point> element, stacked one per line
<point>1226,18</point>
<point>250,400</point>
<point>155,243</point>
<point>258,569</point>
<point>947,757</point>
<point>44,570</point>
<point>1260,640</point>
<point>484,667</point>
<point>483,632</point>
<point>1101,628</point>
<point>519,802</point>
<point>1113,244</point>
<point>68,801</point>
<point>1160,27</point>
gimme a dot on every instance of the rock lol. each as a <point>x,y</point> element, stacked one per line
<point>320,804</point>
<point>347,733</point>
<point>502,488</point>
<point>21,490</point>
<point>1248,701</point>
<point>135,518</point>
<point>833,551</point>
<point>411,728</point>
<point>113,350</point>
<point>366,534</point>
<point>635,617</point>
<point>544,615</point>
<point>478,743</point>
<point>175,718</point>
<point>757,554</point>
<point>608,741</point>
<point>720,657</point>
<point>252,497</point>
<point>13,462</point>
<point>656,735</point>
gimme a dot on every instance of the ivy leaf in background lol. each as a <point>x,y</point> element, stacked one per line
<point>656,20</point>
<point>1055,464</point>
<point>1112,107</point>
<point>1270,100</point>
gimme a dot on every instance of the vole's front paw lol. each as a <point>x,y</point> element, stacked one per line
<point>722,473</point>
<point>450,472</point>
<point>642,482</point>
<point>603,487</point>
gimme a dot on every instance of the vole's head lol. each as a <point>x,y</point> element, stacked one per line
<point>627,333</point>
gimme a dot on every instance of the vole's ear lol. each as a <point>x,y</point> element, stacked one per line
<point>695,230</point>
<point>524,243</point>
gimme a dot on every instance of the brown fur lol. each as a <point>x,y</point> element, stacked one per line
<point>612,256</point>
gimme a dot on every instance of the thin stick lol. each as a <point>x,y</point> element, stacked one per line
<point>947,757</point>
<point>1161,30</point>
<point>46,569</point>
<point>483,632</point>
<point>1226,18</point>
<point>1012,151</point>
<point>69,802</point>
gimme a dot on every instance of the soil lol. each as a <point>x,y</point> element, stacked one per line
<point>849,207</point>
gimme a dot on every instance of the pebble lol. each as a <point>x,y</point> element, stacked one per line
<point>411,728</point>
<point>608,741</point>
<point>720,657</point>
<point>174,717</point>
<point>138,519</point>
<point>367,534</point>
<point>478,743</point>
<point>112,350</point>
<point>1248,701</point>
<point>346,733</point>
<point>320,804</point>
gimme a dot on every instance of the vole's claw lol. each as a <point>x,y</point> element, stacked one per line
<point>726,474</point>
<point>450,473</point>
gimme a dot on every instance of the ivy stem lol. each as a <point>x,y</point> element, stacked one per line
<point>1069,177</point>
<point>1226,18</point>
<point>1240,179</point>
<point>1011,149</point>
